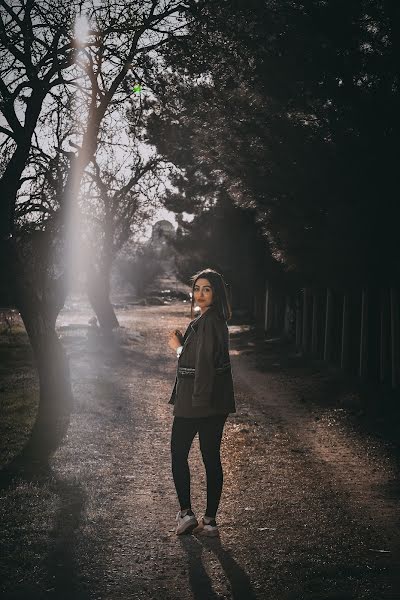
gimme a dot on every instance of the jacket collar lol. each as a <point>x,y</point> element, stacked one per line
<point>195,324</point>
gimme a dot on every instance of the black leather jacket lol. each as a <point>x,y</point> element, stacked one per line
<point>203,384</point>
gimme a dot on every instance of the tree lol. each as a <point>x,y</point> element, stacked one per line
<point>114,209</point>
<point>138,265</point>
<point>228,239</point>
<point>294,108</point>
<point>42,61</point>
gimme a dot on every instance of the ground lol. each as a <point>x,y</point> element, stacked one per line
<point>310,502</point>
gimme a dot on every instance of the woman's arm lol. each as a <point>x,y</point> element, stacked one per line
<point>175,342</point>
<point>204,363</point>
<point>175,339</point>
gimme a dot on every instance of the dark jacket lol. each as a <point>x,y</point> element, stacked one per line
<point>203,384</point>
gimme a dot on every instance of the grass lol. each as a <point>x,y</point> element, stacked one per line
<point>19,392</point>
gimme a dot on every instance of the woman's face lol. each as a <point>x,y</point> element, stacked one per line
<point>202,292</point>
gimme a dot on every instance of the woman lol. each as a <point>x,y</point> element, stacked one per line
<point>202,397</point>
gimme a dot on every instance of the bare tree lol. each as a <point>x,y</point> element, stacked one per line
<point>116,203</point>
<point>41,58</point>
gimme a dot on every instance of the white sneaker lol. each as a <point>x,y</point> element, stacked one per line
<point>209,529</point>
<point>185,523</point>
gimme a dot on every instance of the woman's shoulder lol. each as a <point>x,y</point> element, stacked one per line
<point>214,314</point>
<point>215,319</point>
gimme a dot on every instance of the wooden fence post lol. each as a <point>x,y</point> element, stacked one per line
<point>314,325</point>
<point>362,371</point>
<point>328,325</point>
<point>344,353</point>
<point>394,331</point>
<point>266,313</point>
<point>305,328</point>
<point>298,321</point>
<point>286,325</point>
<point>383,338</point>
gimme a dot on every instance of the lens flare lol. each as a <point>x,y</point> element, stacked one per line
<point>81,30</point>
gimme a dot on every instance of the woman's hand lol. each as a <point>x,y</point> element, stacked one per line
<point>175,339</point>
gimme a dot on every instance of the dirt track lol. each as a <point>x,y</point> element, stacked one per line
<point>309,508</point>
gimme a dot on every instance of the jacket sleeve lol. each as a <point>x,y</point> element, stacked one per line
<point>204,364</point>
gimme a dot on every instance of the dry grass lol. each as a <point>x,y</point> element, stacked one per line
<point>19,392</point>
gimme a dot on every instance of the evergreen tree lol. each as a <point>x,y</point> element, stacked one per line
<point>295,114</point>
<point>228,239</point>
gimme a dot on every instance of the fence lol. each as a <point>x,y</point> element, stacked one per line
<point>357,329</point>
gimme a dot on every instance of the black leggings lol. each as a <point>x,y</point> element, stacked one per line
<point>210,434</point>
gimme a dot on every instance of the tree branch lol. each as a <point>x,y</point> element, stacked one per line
<point>8,132</point>
<point>12,48</point>
<point>8,109</point>
<point>12,14</point>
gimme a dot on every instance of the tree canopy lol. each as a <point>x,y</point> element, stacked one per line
<point>293,108</point>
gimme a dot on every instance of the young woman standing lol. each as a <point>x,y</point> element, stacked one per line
<point>202,397</point>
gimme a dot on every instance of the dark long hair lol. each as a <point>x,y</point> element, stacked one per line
<point>219,289</point>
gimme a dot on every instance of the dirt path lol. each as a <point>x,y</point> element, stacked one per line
<point>309,509</point>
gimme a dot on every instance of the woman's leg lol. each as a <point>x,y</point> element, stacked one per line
<point>183,432</point>
<point>210,435</point>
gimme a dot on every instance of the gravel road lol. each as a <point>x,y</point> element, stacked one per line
<point>309,508</point>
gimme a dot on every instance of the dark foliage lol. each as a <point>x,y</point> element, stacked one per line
<point>229,240</point>
<point>297,117</point>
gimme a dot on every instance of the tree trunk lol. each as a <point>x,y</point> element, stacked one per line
<point>55,402</point>
<point>54,298</point>
<point>98,291</point>
<point>10,181</point>
<point>56,398</point>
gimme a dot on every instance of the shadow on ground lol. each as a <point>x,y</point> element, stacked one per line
<point>372,408</point>
<point>44,561</point>
<point>201,583</point>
